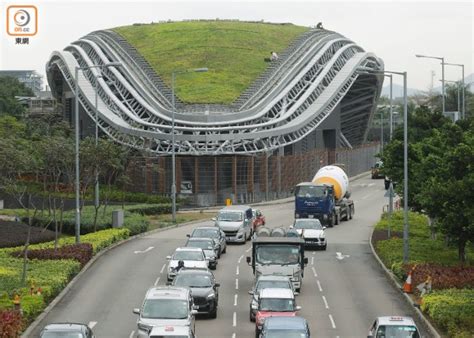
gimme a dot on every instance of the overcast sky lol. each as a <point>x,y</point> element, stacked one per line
<point>393,30</point>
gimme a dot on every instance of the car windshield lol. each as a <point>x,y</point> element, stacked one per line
<point>278,254</point>
<point>272,284</point>
<point>230,216</point>
<point>285,334</point>
<point>193,280</point>
<point>165,309</point>
<point>203,244</point>
<point>276,304</point>
<point>308,224</point>
<point>59,334</point>
<point>397,331</point>
<point>209,233</point>
<point>310,191</point>
<point>188,256</point>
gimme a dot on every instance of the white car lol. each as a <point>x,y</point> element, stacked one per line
<point>311,230</point>
<point>393,326</point>
<point>171,331</point>
<point>191,257</point>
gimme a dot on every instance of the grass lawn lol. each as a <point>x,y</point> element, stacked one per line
<point>233,52</point>
<point>161,221</point>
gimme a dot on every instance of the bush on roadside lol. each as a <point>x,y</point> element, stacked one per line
<point>443,277</point>
<point>153,209</point>
<point>11,323</point>
<point>452,310</point>
<point>81,252</point>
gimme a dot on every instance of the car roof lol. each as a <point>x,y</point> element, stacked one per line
<point>206,228</point>
<point>396,320</point>
<point>187,248</point>
<point>195,239</point>
<point>273,278</point>
<point>193,271</point>
<point>168,292</point>
<point>170,330</point>
<point>277,293</point>
<point>65,326</point>
<point>285,323</point>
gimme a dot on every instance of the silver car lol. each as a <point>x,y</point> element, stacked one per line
<point>165,306</point>
<point>191,257</point>
<point>264,282</point>
<point>208,246</point>
<point>214,233</point>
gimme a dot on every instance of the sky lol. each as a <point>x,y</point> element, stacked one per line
<point>394,30</point>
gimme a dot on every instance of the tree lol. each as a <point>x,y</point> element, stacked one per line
<point>9,88</point>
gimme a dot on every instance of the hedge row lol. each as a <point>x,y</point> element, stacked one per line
<point>452,310</point>
<point>81,252</point>
<point>443,277</point>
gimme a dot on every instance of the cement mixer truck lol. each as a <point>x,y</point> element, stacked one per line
<point>326,197</point>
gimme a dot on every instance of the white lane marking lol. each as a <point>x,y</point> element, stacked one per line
<point>240,258</point>
<point>234,320</point>
<point>313,253</point>
<point>340,256</point>
<point>163,268</point>
<point>250,248</point>
<point>92,324</point>
<point>319,286</point>
<point>325,302</point>
<point>365,197</point>
<point>235,299</point>
<point>237,271</point>
<point>143,251</point>
<point>371,184</point>
<point>312,260</point>
<point>236,283</point>
<point>314,272</point>
<point>156,281</point>
<point>131,334</point>
<point>233,335</point>
<point>332,321</point>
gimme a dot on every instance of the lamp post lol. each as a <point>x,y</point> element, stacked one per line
<point>381,131</point>
<point>76,122</point>
<point>391,104</point>
<point>442,75</point>
<point>173,146</point>
<point>463,89</point>
<point>458,84</point>
<point>406,228</point>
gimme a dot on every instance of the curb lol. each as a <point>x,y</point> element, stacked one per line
<point>29,330</point>
<point>396,284</point>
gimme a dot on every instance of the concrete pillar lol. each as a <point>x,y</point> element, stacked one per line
<point>234,177</point>
<point>178,174</point>
<point>250,175</point>
<point>196,175</point>
<point>215,179</point>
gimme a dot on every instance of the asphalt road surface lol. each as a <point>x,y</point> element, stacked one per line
<point>339,297</point>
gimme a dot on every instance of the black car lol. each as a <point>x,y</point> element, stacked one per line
<point>59,330</point>
<point>215,233</point>
<point>204,289</point>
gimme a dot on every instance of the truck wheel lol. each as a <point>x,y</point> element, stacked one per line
<point>331,221</point>
<point>350,212</point>
<point>336,222</point>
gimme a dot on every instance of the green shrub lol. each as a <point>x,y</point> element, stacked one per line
<point>151,209</point>
<point>452,310</point>
<point>81,252</point>
<point>136,223</point>
<point>32,305</point>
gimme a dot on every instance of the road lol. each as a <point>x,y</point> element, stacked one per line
<point>339,297</point>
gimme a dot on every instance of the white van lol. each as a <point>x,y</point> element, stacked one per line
<point>236,222</point>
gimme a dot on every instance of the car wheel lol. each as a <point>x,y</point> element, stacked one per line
<point>225,249</point>
<point>336,222</point>
<point>213,313</point>
<point>252,318</point>
<point>324,247</point>
<point>350,212</point>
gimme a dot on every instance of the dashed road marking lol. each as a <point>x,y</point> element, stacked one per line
<point>371,184</point>
<point>325,302</point>
<point>234,319</point>
<point>237,270</point>
<point>313,253</point>
<point>319,286</point>
<point>131,334</point>
<point>312,260</point>
<point>143,251</point>
<point>163,268</point>
<point>156,281</point>
<point>235,299</point>
<point>250,248</point>
<point>314,272</point>
<point>332,321</point>
<point>365,197</point>
<point>240,258</point>
<point>233,335</point>
<point>92,324</point>
<point>236,283</point>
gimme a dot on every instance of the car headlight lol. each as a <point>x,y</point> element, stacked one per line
<point>296,276</point>
<point>144,327</point>
<point>211,295</point>
<point>297,215</point>
<point>325,216</point>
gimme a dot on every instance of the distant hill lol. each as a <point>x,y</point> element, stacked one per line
<point>398,90</point>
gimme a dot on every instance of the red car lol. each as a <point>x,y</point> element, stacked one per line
<point>274,302</point>
<point>258,219</point>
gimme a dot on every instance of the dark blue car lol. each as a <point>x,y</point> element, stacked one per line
<point>285,327</point>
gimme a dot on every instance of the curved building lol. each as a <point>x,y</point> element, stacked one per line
<point>317,95</point>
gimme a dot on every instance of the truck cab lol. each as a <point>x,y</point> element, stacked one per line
<point>316,201</point>
<point>280,256</point>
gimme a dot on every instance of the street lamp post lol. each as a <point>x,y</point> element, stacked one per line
<point>442,75</point>
<point>381,131</point>
<point>463,87</point>
<point>458,84</point>
<point>77,137</point>
<point>391,105</point>
<point>406,227</point>
<point>96,200</point>
<point>173,146</point>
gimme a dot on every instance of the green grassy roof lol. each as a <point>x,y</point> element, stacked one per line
<point>233,51</point>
